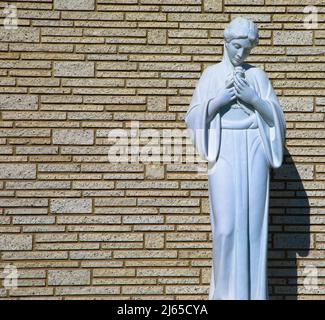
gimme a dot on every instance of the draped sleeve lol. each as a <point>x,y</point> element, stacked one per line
<point>205,135</point>
<point>273,138</point>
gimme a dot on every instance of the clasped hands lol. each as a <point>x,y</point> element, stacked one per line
<point>237,87</point>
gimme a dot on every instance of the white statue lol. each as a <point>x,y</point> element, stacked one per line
<point>236,123</point>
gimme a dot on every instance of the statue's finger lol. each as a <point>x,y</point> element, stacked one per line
<point>238,83</point>
<point>237,87</point>
<point>245,81</point>
<point>242,82</point>
<point>230,84</point>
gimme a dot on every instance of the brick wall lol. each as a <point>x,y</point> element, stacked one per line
<point>77,226</point>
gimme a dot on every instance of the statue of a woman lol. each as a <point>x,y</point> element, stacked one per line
<point>236,123</point>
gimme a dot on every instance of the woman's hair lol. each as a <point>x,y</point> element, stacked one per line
<point>242,28</point>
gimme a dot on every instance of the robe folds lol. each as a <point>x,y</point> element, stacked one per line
<point>240,150</point>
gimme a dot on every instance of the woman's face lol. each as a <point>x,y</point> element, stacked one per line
<point>238,50</point>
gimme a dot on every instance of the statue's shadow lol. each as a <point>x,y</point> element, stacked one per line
<point>289,230</point>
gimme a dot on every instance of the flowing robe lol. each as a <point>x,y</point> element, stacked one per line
<point>240,148</point>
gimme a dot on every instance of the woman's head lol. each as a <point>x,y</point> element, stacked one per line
<point>241,35</point>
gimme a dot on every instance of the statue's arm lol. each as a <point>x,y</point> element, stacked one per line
<point>214,107</point>
<point>263,107</point>
<point>199,99</point>
<point>266,99</point>
<point>224,96</point>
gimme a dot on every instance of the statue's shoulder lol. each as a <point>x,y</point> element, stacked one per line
<point>214,67</point>
<point>211,70</point>
<point>254,71</point>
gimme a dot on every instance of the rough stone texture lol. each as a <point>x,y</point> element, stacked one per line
<point>18,102</point>
<point>73,69</point>
<point>77,226</point>
<point>74,5</point>
<point>21,34</point>
<point>155,171</point>
<point>297,38</point>
<point>157,36</point>
<point>156,103</point>
<point>74,136</point>
<point>17,171</point>
<point>71,205</point>
<point>14,242</point>
<point>212,5</point>
<point>68,277</point>
<point>154,240</point>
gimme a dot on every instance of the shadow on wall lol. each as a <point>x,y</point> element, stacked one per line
<point>289,231</point>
